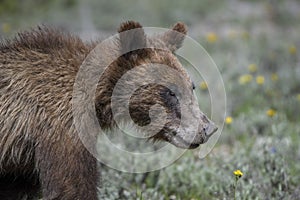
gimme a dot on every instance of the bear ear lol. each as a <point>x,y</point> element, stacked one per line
<point>131,40</point>
<point>175,37</point>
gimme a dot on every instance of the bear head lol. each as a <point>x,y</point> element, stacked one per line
<point>148,86</point>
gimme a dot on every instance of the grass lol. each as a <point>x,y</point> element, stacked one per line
<point>263,144</point>
<point>261,137</point>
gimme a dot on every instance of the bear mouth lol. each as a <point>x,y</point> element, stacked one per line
<point>181,143</point>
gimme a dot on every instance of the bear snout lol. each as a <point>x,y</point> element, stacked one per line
<point>209,129</point>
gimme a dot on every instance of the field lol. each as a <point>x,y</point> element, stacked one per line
<point>255,45</point>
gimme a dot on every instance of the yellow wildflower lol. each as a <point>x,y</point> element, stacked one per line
<point>298,97</point>
<point>228,120</point>
<point>203,85</point>
<point>245,35</point>
<point>292,49</point>
<point>252,68</point>
<point>271,112</point>
<point>260,80</point>
<point>238,173</point>
<point>6,27</point>
<point>211,37</point>
<point>245,79</point>
<point>233,34</point>
<point>274,77</point>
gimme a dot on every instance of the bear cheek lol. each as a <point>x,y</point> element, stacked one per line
<point>139,115</point>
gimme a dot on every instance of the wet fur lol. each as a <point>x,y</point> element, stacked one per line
<point>40,151</point>
<point>38,142</point>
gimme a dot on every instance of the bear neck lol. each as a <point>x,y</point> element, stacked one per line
<point>104,93</point>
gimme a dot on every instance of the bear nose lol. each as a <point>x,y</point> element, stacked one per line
<point>209,129</point>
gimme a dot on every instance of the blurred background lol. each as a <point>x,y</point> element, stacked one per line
<point>255,45</point>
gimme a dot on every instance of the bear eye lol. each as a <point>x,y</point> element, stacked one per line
<point>171,93</point>
<point>172,99</point>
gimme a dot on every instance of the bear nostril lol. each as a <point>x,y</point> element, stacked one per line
<point>209,129</point>
<point>205,129</point>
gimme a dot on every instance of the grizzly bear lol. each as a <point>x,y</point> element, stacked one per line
<point>41,153</point>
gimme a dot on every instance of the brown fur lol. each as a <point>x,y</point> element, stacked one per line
<point>39,146</point>
<point>37,138</point>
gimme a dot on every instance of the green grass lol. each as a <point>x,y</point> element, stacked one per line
<point>264,148</point>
